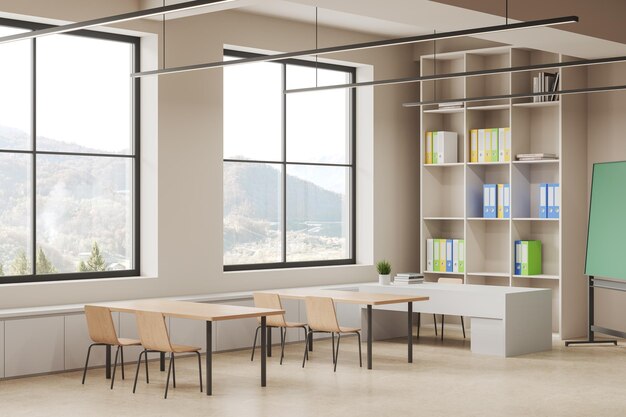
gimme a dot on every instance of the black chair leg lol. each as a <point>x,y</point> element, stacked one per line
<point>147,376</point>
<point>122,363</point>
<point>337,353</point>
<point>358,334</point>
<point>137,370</point>
<point>169,371</point>
<point>306,343</point>
<point>283,336</point>
<point>256,333</point>
<point>87,362</point>
<point>463,326</point>
<point>200,370</point>
<point>117,352</point>
<point>435,323</point>
<point>332,336</point>
<point>442,323</point>
<point>306,347</point>
<point>173,368</point>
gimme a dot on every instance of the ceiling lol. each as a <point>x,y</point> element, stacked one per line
<point>393,18</point>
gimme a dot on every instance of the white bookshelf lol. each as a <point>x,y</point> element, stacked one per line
<point>451,194</point>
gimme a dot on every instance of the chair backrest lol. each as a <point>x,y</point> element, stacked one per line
<point>153,331</point>
<point>443,280</point>
<point>268,300</point>
<point>321,314</point>
<point>100,325</point>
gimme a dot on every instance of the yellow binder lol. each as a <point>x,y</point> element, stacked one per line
<point>500,201</point>
<point>429,148</point>
<point>474,145</point>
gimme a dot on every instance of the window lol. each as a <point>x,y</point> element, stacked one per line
<point>289,171</point>
<point>68,156</point>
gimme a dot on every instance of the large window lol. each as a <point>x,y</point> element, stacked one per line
<point>68,156</point>
<point>289,170</point>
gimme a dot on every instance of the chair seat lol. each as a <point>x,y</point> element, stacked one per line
<point>184,349</point>
<point>291,324</point>
<point>128,342</point>
<point>348,329</point>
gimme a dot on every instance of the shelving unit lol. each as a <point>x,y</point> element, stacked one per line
<point>452,194</point>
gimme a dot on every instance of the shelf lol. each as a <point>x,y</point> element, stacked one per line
<point>489,107</point>
<point>487,163</point>
<point>444,218</point>
<point>449,164</point>
<point>445,111</point>
<point>477,219</point>
<point>534,219</point>
<point>443,273</point>
<point>537,104</point>
<point>540,161</point>
<point>542,276</point>
<point>489,274</point>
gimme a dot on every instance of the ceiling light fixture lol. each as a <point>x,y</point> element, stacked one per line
<point>366,45</point>
<point>140,14</point>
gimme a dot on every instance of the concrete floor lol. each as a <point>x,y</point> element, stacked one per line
<point>446,379</point>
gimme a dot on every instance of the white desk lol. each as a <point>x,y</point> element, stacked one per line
<point>506,321</point>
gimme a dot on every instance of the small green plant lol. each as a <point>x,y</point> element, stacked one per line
<point>383,267</point>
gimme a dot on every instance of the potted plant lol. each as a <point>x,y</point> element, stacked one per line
<point>384,272</point>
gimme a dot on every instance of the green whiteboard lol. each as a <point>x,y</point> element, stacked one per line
<point>606,236</point>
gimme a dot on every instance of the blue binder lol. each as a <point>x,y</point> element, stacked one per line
<point>507,201</point>
<point>543,201</point>
<point>449,258</point>
<point>490,201</point>
<point>554,201</point>
<point>518,257</point>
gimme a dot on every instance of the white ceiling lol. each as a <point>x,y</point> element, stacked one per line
<point>392,18</point>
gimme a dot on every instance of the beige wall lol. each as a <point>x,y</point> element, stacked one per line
<point>189,187</point>
<point>607,142</point>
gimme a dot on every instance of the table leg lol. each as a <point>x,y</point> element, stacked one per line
<point>310,343</point>
<point>269,342</point>
<point>107,362</point>
<point>162,361</point>
<point>209,358</point>
<point>370,336</point>
<point>264,345</point>
<point>410,334</point>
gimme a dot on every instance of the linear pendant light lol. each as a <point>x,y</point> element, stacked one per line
<point>521,95</point>
<point>366,45</point>
<point>477,73</point>
<point>140,14</point>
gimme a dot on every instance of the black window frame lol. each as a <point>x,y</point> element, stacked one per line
<point>283,162</point>
<point>135,42</point>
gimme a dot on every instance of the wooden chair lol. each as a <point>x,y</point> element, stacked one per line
<point>450,281</point>
<point>322,318</point>
<point>268,300</point>
<point>155,338</point>
<point>102,333</point>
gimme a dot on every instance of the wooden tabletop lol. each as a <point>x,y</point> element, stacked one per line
<point>191,310</point>
<point>352,297</point>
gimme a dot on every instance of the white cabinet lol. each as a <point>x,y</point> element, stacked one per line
<point>77,342</point>
<point>34,345</point>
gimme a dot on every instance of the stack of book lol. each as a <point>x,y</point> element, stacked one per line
<point>545,82</point>
<point>451,105</point>
<point>536,156</point>
<point>408,278</point>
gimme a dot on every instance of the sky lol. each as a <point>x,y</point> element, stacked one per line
<point>83,90</point>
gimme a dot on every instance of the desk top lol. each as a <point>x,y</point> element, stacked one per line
<point>351,297</point>
<point>191,310</point>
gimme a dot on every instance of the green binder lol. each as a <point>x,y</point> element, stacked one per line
<point>531,257</point>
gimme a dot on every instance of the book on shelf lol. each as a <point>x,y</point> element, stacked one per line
<point>412,282</point>
<point>536,156</point>
<point>545,82</point>
<point>409,275</point>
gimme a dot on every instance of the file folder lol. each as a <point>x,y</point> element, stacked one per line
<point>518,257</point>
<point>449,255</point>
<point>507,201</point>
<point>429,148</point>
<point>435,148</point>
<point>435,255</point>
<point>543,201</point>
<point>455,255</point>
<point>474,145</point>
<point>554,198</point>
<point>487,145</point>
<point>447,147</point>
<point>429,254</point>
<point>442,255</point>
<point>461,255</point>
<point>489,201</point>
<point>500,201</point>
<point>507,144</point>
<point>531,257</point>
<point>494,145</point>
<point>501,138</point>
<point>481,145</point>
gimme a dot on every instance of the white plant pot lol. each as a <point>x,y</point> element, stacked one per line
<point>384,279</point>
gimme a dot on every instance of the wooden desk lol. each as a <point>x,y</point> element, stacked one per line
<point>199,311</point>
<point>369,299</point>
